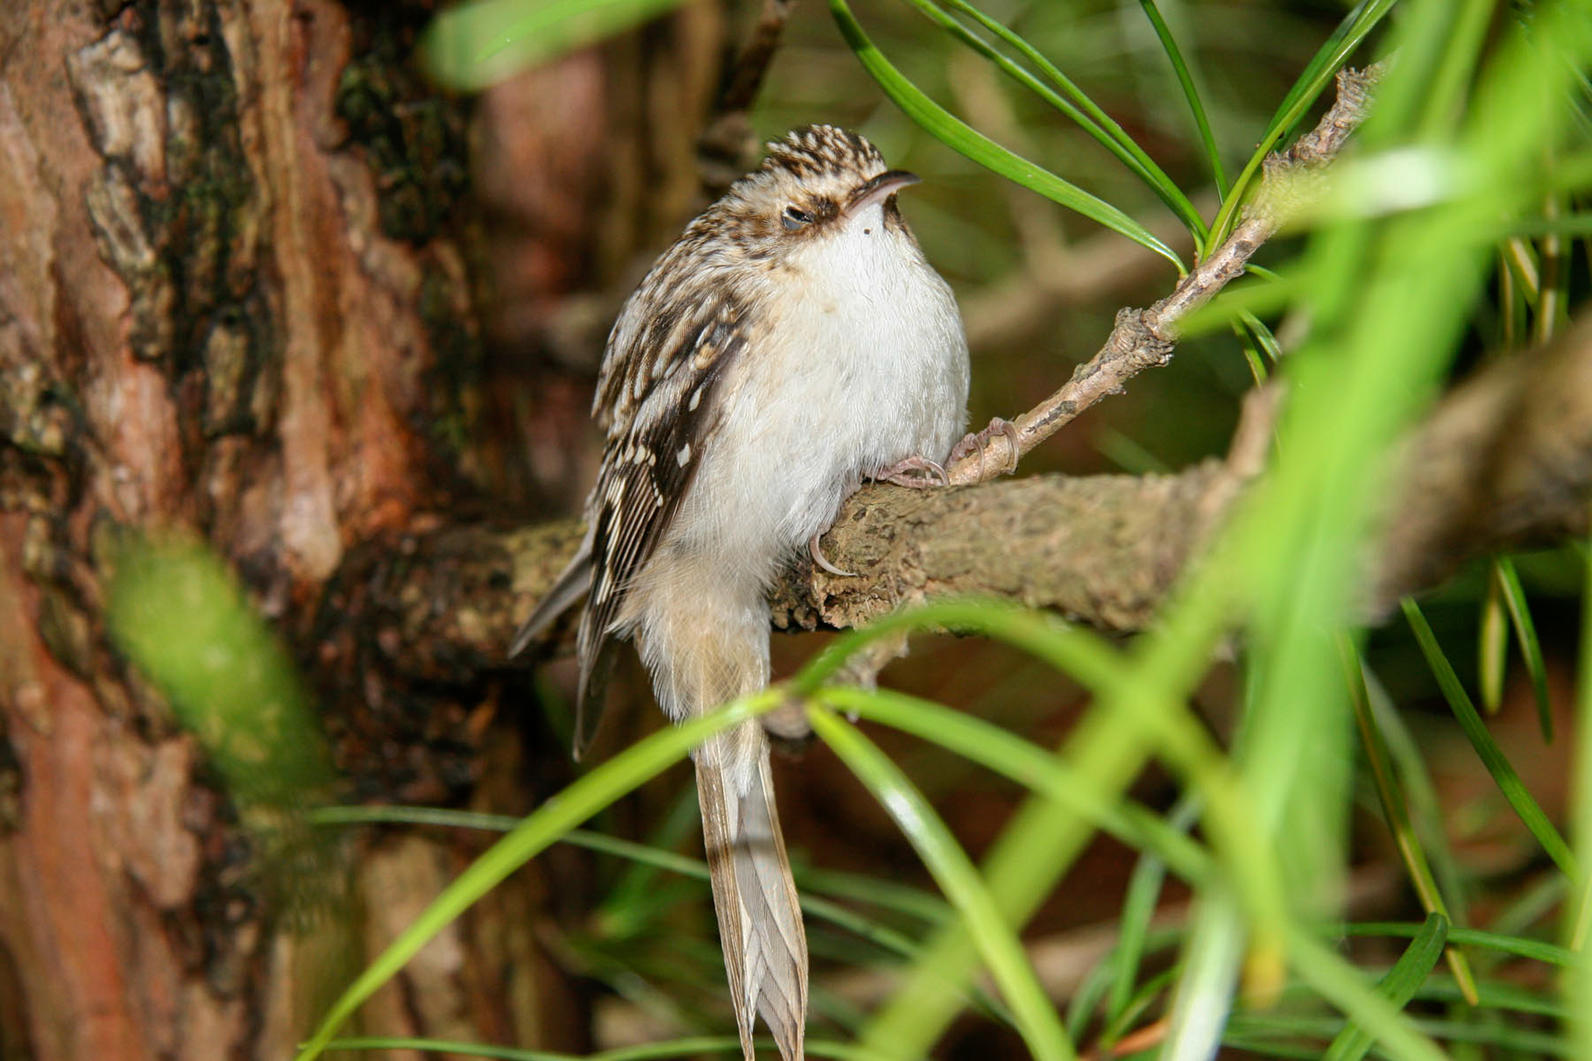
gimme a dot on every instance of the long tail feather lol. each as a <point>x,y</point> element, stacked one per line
<point>760,921</point>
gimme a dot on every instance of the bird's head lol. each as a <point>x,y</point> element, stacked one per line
<point>816,184</point>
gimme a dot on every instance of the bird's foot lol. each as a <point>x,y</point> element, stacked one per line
<point>978,442</point>
<point>917,473</point>
<point>816,551</point>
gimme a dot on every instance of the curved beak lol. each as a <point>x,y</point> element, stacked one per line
<point>878,190</point>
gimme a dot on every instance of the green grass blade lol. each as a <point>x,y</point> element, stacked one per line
<point>1343,986</point>
<point>1081,654</point>
<point>544,826</point>
<point>694,1046</point>
<point>1526,636</point>
<point>1028,765</point>
<point>176,611</point>
<point>1577,921</point>
<point>1325,63</point>
<point>1088,995</point>
<point>1398,986</point>
<point>961,137</point>
<point>623,908</point>
<point>1036,848</point>
<point>1138,908</point>
<point>1096,115</point>
<point>1487,749</point>
<point>1495,995</point>
<point>956,875</point>
<point>1212,957</point>
<point>1570,225</point>
<point>1354,28</point>
<point>1238,301</point>
<point>404,815</point>
<point>641,854</point>
<point>1185,78</point>
<point>1456,66</point>
<point>1518,946</point>
<point>1261,349</point>
<point>1394,807</point>
<point>1510,1041</point>
<point>1492,644</point>
<point>1144,997</point>
<point>468,1049</point>
<point>1421,799</point>
<point>1078,106</point>
<point>889,895</point>
<point>469,46</point>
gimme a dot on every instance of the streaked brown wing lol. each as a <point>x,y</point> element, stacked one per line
<point>660,419</point>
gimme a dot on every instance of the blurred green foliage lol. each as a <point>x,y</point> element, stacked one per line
<point>472,44</point>
<point>177,613</point>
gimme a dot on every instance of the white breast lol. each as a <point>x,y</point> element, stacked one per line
<point>865,364</point>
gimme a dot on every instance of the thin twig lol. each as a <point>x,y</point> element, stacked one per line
<point>727,144</point>
<point>1144,338</point>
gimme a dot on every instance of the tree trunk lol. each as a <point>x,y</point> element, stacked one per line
<point>240,304</point>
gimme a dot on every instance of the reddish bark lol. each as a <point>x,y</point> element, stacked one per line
<point>239,304</point>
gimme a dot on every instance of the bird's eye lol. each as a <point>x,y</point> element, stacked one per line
<point>794,218</point>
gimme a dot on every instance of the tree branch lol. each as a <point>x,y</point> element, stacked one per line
<point>1504,461</point>
<point>1144,338</point>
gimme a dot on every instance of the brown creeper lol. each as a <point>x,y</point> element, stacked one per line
<point>792,342</point>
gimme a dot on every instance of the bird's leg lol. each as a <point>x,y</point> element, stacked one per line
<point>977,441</point>
<point>917,473</point>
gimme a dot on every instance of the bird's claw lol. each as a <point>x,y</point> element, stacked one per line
<point>976,442</point>
<point>916,473</point>
<point>819,559</point>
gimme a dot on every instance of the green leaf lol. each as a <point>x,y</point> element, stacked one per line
<point>1212,957</point>
<point>1526,635</point>
<point>1240,301</point>
<point>1138,908</point>
<point>1185,78</point>
<point>673,862</point>
<point>961,137</point>
<point>177,613</point>
<point>1398,986</point>
<point>1260,346</point>
<point>1343,985</point>
<point>1519,946</point>
<point>1028,765</point>
<point>1395,809</point>
<point>1072,650</point>
<point>694,1046</point>
<point>1323,66</point>
<point>956,875</point>
<point>1492,756</point>
<point>1492,645</point>
<point>1577,921</point>
<point>892,895</point>
<point>1079,107</point>
<point>471,45</point>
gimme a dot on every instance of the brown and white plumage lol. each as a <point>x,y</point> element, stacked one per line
<point>791,342</point>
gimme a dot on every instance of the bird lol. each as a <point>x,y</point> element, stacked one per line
<point>792,342</point>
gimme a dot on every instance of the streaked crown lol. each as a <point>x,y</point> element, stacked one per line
<point>823,151</point>
<point>804,182</point>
